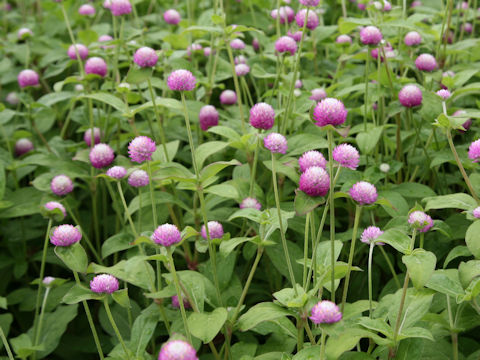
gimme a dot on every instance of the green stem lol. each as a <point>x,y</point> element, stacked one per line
<point>390,266</point>
<point>5,343</point>
<point>236,83</point>
<point>115,328</point>
<point>159,121</point>
<point>322,345</point>
<point>152,194</point>
<point>40,320</point>
<point>332,213</point>
<point>129,217</point>
<point>254,166</point>
<point>370,253</point>
<point>365,102</point>
<point>72,39</point>
<point>453,333</point>
<point>305,248</point>
<point>309,333</point>
<point>400,310</point>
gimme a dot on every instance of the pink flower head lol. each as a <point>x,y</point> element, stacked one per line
<point>416,3</point>
<point>476,212</point>
<point>82,51</point>
<point>410,96</point>
<point>240,59</point>
<point>106,38</point>
<point>286,14</point>
<point>444,94</point>
<point>474,151</point>
<point>87,136</point>
<point>120,7</point>
<point>65,235</point>
<point>145,57</point>
<point>107,4</point>
<point>23,146</point>
<point>242,69</point>
<point>96,65</point>
<point>286,44</point>
<point>101,155</point>
<point>117,172</point>
<point>237,44</point>
<point>176,303</point>
<point>412,38</point>
<point>86,9</point>
<point>52,205</point>
<point>194,48</point>
<point>207,51</point>
<point>425,62</point>
<point>177,350</point>
<point>208,117</point>
<point>250,203</point>
<point>312,21</point>
<point>141,149</point>
<point>104,284</point>
<point>12,98</point>
<point>325,312</point>
<point>311,158</point>
<point>467,27</point>
<point>318,94</point>
<point>370,35</point>
<point>228,97</point>
<point>24,33</point>
<point>370,234</point>
<point>172,17</point>
<point>315,181</point>
<point>255,44</point>
<point>276,143</point>
<point>297,35</point>
<point>61,185</point>
<point>346,155</point>
<point>181,80</point>
<point>27,78</point>
<point>343,39</point>
<point>329,111</point>
<point>138,178</point>
<point>364,193</point>
<point>420,221</point>
<point>262,116</point>
<point>166,235</point>
<point>215,230</point>
<point>298,84</point>
<point>48,280</point>
<point>311,3</point>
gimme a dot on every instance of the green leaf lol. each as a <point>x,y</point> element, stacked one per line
<point>305,204</point>
<point>80,293</point>
<point>367,141</point>
<point>249,213</point>
<point>74,257</point>
<point>143,329</point>
<point>413,190</point>
<point>108,99</point>
<point>472,238</point>
<point>420,265</point>
<point>446,282</point>
<point>223,190</point>
<point>452,201</point>
<point>87,37</point>
<point>115,243</point>
<point>160,102</point>
<point>396,238</point>
<point>214,168</point>
<point>207,149</point>
<point>457,251</point>
<point>121,298</point>
<point>205,326</point>
<point>416,332</point>
<point>138,75</point>
<point>467,271</point>
<point>259,313</point>
<point>226,247</point>
<point>309,353</point>
<point>55,97</point>
<point>377,325</point>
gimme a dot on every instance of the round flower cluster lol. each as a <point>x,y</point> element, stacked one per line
<point>250,203</point>
<point>61,185</point>
<point>97,66</point>
<point>370,35</point>
<point>370,234</point>
<point>329,111</point>
<point>176,303</point>
<point>138,178</point>
<point>276,143</point>
<point>177,350</point>
<point>145,57</point>
<point>311,158</point>
<point>172,17</point>
<point>117,172</point>
<point>325,312</point>
<point>420,221</point>
<point>101,155</point>
<point>65,235</point>
<point>346,155</point>
<point>315,181</point>
<point>181,80</point>
<point>228,97</point>
<point>27,78</point>
<point>104,284</point>
<point>262,116</point>
<point>208,117</point>
<point>80,48</point>
<point>410,96</point>
<point>87,136</point>
<point>364,193</point>
<point>52,205</point>
<point>167,235</point>
<point>23,146</point>
<point>215,230</point>
<point>141,149</point>
<point>312,20</point>
<point>286,44</point>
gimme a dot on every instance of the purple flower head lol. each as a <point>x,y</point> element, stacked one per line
<point>177,350</point>
<point>425,62</point>
<point>138,178</point>
<point>52,205</point>
<point>467,27</point>
<point>87,136</point>
<point>47,280</point>
<point>12,98</point>
<point>476,212</point>
<point>312,20</point>
<point>276,143</point>
<point>82,51</point>
<point>420,221</point>
<point>207,51</point>
<point>120,7</point>
<point>172,17</point>
<point>364,193</point>
<point>370,234</point>
<point>176,303</point>
<point>240,59</point>
<point>117,172</point>
<point>65,235</point>
<point>194,48</point>
<point>343,39</point>
<point>444,94</point>
<point>286,44</point>
<point>311,158</point>
<point>325,312</point>
<point>262,116</point>
<point>410,96</point>
<point>242,69</point>
<point>416,3</point>
<point>255,44</point>
<point>329,111</point>
<point>228,97</point>
<point>474,151</point>
<point>106,38</point>
<point>215,230</point>
<point>101,155</point>
<point>61,185</point>
<point>96,65</point>
<point>27,78</point>
<point>370,35</point>
<point>297,36</point>
<point>315,181</point>
<point>208,117</point>
<point>298,84</point>
<point>237,44</point>
<point>181,80</point>
<point>141,149</point>
<point>312,3</point>
<point>412,38</point>
<point>346,155</point>
<point>145,57</point>
<point>23,146</point>
<point>286,14</point>
<point>86,9</point>
<point>250,203</point>
<point>104,284</point>
<point>166,235</point>
<point>318,94</point>
<point>107,3</point>
<point>24,33</point>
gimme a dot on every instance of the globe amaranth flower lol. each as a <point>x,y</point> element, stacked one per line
<point>24,33</point>
<point>262,116</point>
<point>177,350</point>
<point>176,303</point>
<point>228,97</point>
<point>141,149</point>
<point>172,17</point>
<point>117,172</point>
<point>420,221</point>
<point>215,230</point>
<point>370,234</point>
<point>61,185</point>
<point>105,38</point>
<point>318,94</point>
<point>181,80</point>
<point>474,151</point>
<point>23,146</point>
<point>145,57</point>
<point>476,212</point>
<point>297,35</point>
<point>208,117</point>
<point>467,27</point>
<point>27,77</point>
<point>325,312</point>
<point>286,44</point>
<point>96,65</point>
<point>343,39</point>
<point>87,136</point>
<point>240,59</point>
<point>65,235</point>
<point>370,35</point>
<point>466,125</point>
<point>12,98</point>
<point>48,280</point>
<point>285,13</point>
<point>104,284</point>
<point>364,193</point>
<point>250,203</point>
<point>311,3</point>
<point>86,9</point>
<point>194,48</point>
<point>120,7</point>
<point>384,167</point>
<point>412,38</point>
<point>329,111</point>
<point>242,69</point>
<point>425,62</point>
<point>256,44</point>
<point>311,158</point>
<point>237,44</point>
<point>444,94</point>
<point>410,96</point>
<point>52,205</point>
<point>101,155</point>
<point>312,20</point>
<point>138,178</point>
<point>80,48</point>
<point>166,235</point>
<point>346,155</point>
<point>315,181</point>
<point>276,143</point>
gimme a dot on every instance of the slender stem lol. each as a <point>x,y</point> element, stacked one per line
<point>453,333</point>
<point>400,309</point>
<point>322,345</point>
<point>305,248</point>
<point>115,328</point>
<point>5,343</point>
<point>300,334</point>
<point>254,166</point>
<point>129,217</point>
<point>390,266</point>
<point>332,214</point>
<point>310,335</point>
<point>365,102</point>
<point>370,253</point>
<point>159,121</point>
<point>40,320</point>
<point>152,195</point>
<point>236,83</point>
<point>72,39</point>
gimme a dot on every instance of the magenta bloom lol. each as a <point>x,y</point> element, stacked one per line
<point>240,59</point>
<point>120,7</point>
<point>82,51</point>
<point>329,111</point>
<point>364,193</point>
<point>250,203</point>
<point>172,17</point>
<point>23,146</point>
<point>262,116</point>
<point>286,44</point>
<point>117,172</point>
<point>476,212</point>
<point>61,185</point>
<point>12,98</point>
<point>286,14</point>
<point>215,230</point>
<point>166,235</point>
<point>237,44</point>
<point>467,27</point>
<point>343,39</point>
<point>318,94</point>
<point>23,33</point>
<point>207,51</point>
<point>311,158</point>
<point>410,96</point>
<point>325,312</point>
<point>315,181</point>
<point>297,36</point>
<point>208,117</point>
<point>86,9</point>
<point>276,143</point>
<point>138,178</point>
<point>474,151</point>
<point>27,78</point>
<point>412,38</point>
<point>370,234</point>
<point>312,21</point>
<point>177,350</point>
<point>87,136</point>
<point>101,155</point>
<point>181,80</point>
<point>104,284</point>
<point>141,149</point>
<point>242,69</point>
<point>255,44</point>
<point>370,35</point>
<point>106,38</point>
<point>425,62</point>
<point>444,94</point>
<point>96,65</point>
<point>420,221</point>
<point>176,303</point>
<point>145,57</point>
<point>65,235</point>
<point>309,2</point>
<point>193,49</point>
<point>346,155</point>
<point>51,205</point>
<point>228,97</point>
